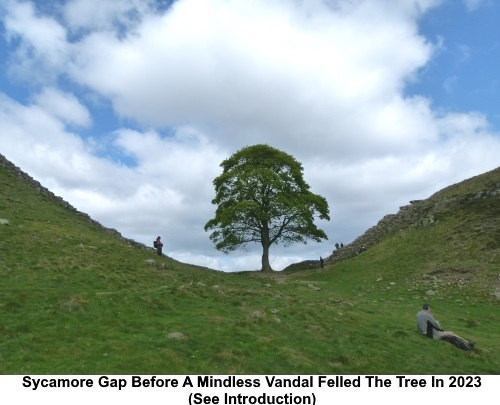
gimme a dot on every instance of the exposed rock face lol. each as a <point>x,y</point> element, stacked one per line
<point>10,167</point>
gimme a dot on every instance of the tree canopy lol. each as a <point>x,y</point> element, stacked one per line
<point>261,196</point>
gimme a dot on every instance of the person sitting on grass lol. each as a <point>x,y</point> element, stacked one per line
<point>428,326</point>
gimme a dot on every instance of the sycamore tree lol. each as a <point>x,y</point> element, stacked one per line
<point>261,196</point>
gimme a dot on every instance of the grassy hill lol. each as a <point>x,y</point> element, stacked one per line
<point>76,298</point>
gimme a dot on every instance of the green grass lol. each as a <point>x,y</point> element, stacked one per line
<point>75,299</point>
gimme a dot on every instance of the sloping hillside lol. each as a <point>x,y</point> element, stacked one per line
<point>461,222</point>
<point>468,211</point>
<point>77,298</point>
<point>19,193</point>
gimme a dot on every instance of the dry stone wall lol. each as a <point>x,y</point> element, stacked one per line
<point>408,215</point>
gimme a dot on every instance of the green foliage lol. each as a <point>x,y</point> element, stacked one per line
<point>261,196</point>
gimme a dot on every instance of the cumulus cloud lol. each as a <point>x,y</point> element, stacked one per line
<point>193,82</point>
<point>109,15</point>
<point>292,77</point>
<point>43,48</point>
<point>64,106</point>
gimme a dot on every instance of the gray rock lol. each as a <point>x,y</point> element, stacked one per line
<point>217,289</point>
<point>176,335</point>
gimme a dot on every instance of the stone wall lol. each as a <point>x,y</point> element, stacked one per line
<point>408,215</point>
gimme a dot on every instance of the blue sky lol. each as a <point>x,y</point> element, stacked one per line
<point>126,108</point>
<point>463,76</point>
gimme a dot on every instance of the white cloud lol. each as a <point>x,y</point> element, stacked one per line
<point>43,47</point>
<point>41,145</point>
<point>292,77</point>
<point>104,14</point>
<point>64,106</point>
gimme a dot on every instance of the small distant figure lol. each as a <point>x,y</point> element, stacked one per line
<point>361,249</point>
<point>428,326</point>
<point>158,244</point>
<point>341,244</point>
<point>321,262</point>
<point>337,245</point>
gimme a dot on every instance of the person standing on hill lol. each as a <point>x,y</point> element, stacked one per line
<point>158,244</point>
<point>321,262</point>
<point>428,326</point>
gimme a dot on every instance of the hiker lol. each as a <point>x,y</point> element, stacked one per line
<point>428,326</point>
<point>337,245</point>
<point>158,244</point>
<point>321,262</point>
<point>341,245</point>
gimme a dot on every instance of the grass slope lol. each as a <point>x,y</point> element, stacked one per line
<point>75,299</point>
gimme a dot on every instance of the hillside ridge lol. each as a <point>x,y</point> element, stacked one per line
<point>38,187</point>
<point>418,214</point>
<point>421,213</point>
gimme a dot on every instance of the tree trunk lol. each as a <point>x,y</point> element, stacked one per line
<point>265,249</point>
<point>265,258</point>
